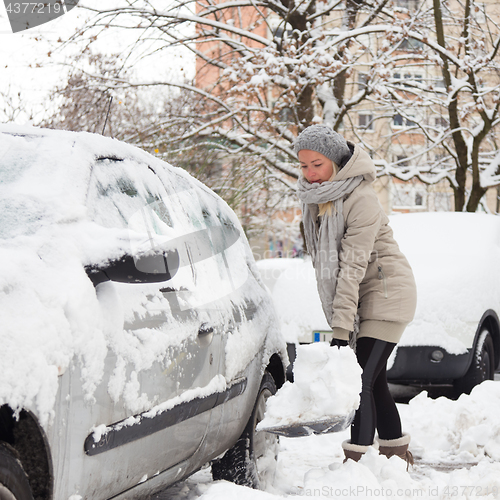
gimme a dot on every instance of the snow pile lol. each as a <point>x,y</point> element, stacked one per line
<point>375,476</point>
<point>465,430</point>
<point>455,444</point>
<point>327,382</point>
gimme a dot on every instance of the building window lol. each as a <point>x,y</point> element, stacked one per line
<point>365,121</point>
<point>362,81</point>
<point>279,33</point>
<point>412,197</point>
<point>410,79</point>
<point>411,44</point>
<point>402,161</point>
<point>442,158</point>
<point>441,122</point>
<point>399,121</point>
<point>285,115</point>
<point>440,83</point>
<point>411,5</point>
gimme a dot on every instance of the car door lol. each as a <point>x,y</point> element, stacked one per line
<point>162,374</point>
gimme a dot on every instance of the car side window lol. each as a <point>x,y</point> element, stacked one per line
<point>126,194</point>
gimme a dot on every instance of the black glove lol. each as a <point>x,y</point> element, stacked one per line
<point>339,343</point>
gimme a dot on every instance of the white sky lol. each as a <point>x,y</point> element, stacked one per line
<point>27,68</point>
<point>24,62</point>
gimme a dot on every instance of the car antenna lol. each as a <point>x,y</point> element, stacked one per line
<point>107,114</point>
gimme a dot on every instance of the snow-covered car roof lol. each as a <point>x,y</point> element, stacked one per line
<point>456,261</point>
<point>45,173</point>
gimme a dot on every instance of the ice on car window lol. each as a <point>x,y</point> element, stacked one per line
<point>21,213</point>
<point>125,194</point>
<point>14,162</point>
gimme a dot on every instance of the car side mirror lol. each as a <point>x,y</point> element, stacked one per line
<point>150,268</point>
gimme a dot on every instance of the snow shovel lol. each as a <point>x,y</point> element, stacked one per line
<point>325,425</point>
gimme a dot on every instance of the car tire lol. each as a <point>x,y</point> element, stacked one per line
<point>252,460</point>
<point>14,484</point>
<point>482,366</point>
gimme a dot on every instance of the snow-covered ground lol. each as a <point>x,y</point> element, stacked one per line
<point>456,445</point>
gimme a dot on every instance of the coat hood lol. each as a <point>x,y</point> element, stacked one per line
<point>359,164</point>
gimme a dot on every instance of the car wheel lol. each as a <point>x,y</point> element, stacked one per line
<point>252,460</point>
<point>482,366</point>
<point>14,484</point>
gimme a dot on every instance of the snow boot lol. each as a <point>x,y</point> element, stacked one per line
<point>353,451</point>
<point>398,447</point>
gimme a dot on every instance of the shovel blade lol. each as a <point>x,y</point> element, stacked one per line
<point>325,425</point>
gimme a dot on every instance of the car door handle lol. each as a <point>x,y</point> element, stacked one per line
<point>205,330</point>
<point>169,289</point>
<point>205,335</point>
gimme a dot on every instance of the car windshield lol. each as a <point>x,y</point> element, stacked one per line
<point>19,214</point>
<point>20,217</point>
<point>43,181</point>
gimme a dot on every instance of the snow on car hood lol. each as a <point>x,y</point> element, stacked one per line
<point>456,261</point>
<point>50,314</point>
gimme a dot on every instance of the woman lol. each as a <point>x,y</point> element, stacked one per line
<point>365,283</point>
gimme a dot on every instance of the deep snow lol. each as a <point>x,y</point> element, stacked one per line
<point>463,434</point>
<point>456,445</point>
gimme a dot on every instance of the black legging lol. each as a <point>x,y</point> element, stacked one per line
<point>377,408</point>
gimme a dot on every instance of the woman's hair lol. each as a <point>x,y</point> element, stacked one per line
<point>328,207</point>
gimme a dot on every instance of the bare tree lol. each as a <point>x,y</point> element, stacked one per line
<point>265,69</point>
<point>85,102</point>
<point>12,106</point>
<point>445,97</point>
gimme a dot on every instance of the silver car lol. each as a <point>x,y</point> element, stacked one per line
<point>139,343</point>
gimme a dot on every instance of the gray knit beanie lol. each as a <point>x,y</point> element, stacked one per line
<point>326,141</point>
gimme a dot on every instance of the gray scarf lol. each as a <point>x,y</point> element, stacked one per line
<point>323,239</point>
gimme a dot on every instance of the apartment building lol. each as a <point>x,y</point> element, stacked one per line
<point>400,133</point>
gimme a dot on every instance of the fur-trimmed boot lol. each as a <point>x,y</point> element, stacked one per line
<point>353,451</point>
<point>398,447</point>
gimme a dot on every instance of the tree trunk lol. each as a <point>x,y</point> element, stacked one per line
<point>305,108</point>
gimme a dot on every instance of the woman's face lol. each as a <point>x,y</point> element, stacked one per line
<point>315,166</point>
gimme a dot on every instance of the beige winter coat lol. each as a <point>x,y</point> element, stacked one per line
<point>375,279</point>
